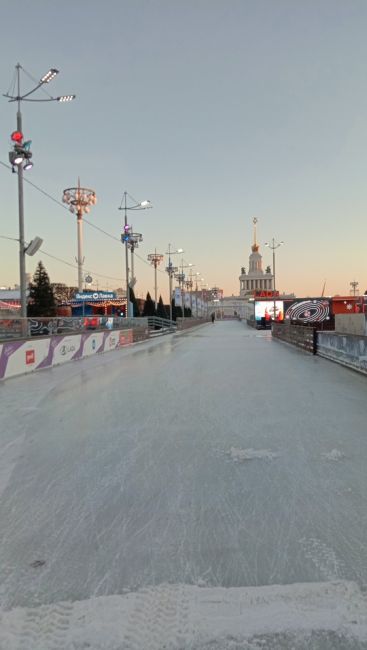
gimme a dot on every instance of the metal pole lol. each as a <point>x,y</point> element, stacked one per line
<point>170,283</point>
<point>182,290</point>
<point>80,248</point>
<point>132,247</point>
<point>22,276</point>
<point>274,307</point>
<point>127,264</point>
<point>155,285</point>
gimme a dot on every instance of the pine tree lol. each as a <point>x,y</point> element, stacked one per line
<point>149,306</point>
<point>41,296</point>
<point>136,312</point>
<point>174,310</point>
<point>161,310</point>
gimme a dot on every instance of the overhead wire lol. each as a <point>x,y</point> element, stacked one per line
<point>89,223</point>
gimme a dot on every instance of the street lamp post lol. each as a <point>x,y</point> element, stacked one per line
<point>135,239</point>
<point>79,199</point>
<point>171,270</point>
<point>126,238</point>
<point>20,161</point>
<point>273,246</point>
<point>155,259</point>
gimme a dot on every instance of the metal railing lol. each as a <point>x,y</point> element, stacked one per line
<point>159,325</point>
<point>20,328</point>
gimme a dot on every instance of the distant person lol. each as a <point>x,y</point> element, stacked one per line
<point>213,318</point>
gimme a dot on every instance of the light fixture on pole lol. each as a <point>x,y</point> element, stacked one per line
<point>171,270</point>
<point>79,199</point>
<point>155,259</point>
<point>126,239</point>
<point>134,240</point>
<point>273,246</point>
<point>20,160</point>
<point>354,290</point>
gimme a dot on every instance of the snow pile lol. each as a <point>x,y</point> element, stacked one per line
<point>184,616</point>
<point>334,455</point>
<point>241,455</point>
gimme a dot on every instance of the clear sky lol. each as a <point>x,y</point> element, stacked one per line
<point>216,111</point>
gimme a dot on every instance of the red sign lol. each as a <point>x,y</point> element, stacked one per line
<point>30,357</point>
<point>260,293</point>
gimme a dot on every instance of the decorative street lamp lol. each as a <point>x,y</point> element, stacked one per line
<point>80,199</point>
<point>155,259</point>
<point>273,246</point>
<point>171,270</point>
<point>20,161</point>
<point>126,238</point>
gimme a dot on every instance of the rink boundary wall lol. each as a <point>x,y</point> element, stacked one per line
<point>26,356</point>
<point>298,335</point>
<point>349,350</point>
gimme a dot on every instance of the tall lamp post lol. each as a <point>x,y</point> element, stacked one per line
<point>135,239</point>
<point>126,238</point>
<point>171,270</point>
<point>80,199</point>
<point>20,161</point>
<point>273,246</point>
<point>155,259</point>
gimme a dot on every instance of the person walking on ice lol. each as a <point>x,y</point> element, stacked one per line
<point>213,317</point>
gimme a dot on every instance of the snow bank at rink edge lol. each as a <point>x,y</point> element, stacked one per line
<point>183,616</point>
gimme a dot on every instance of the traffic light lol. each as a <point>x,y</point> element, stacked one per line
<point>21,153</point>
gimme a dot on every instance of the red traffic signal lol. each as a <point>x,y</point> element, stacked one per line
<point>17,136</point>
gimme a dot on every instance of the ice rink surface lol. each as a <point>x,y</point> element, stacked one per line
<point>206,490</point>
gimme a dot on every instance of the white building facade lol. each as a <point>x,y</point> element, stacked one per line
<point>256,279</point>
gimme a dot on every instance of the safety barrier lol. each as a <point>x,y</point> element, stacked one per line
<point>298,335</point>
<point>24,356</point>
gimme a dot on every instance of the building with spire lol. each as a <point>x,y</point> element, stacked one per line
<point>255,279</point>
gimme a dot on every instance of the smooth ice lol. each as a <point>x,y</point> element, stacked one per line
<point>215,463</point>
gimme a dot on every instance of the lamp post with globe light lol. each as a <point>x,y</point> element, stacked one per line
<point>20,157</point>
<point>80,199</point>
<point>127,238</point>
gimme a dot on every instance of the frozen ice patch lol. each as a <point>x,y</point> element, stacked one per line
<point>334,455</point>
<point>323,557</point>
<point>185,616</point>
<point>241,455</point>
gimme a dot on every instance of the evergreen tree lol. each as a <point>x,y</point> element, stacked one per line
<point>174,310</point>
<point>161,310</point>
<point>136,312</point>
<point>149,306</point>
<point>41,296</point>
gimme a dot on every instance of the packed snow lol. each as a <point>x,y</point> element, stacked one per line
<point>122,527</point>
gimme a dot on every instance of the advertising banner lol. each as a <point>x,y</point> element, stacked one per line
<point>264,310</point>
<point>178,298</point>
<point>22,356</point>
<point>312,310</point>
<point>91,343</point>
<point>194,306</point>
<point>66,349</point>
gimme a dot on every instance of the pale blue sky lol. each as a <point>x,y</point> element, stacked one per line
<point>215,110</point>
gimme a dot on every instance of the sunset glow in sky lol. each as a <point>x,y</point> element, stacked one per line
<point>214,110</point>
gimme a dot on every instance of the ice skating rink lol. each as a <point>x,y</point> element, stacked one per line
<point>202,490</point>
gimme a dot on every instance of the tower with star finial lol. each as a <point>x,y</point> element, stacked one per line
<point>255,279</point>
